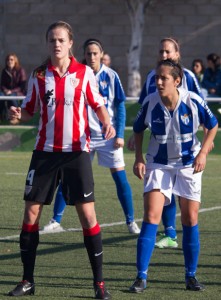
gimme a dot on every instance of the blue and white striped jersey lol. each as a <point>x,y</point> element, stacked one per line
<point>112,91</point>
<point>173,138</point>
<point>189,82</point>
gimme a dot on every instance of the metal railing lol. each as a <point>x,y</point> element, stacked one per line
<point>132,99</point>
<point>12,97</point>
<point>208,99</point>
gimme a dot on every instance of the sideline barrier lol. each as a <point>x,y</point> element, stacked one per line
<point>215,105</point>
<point>208,99</point>
<point>128,99</point>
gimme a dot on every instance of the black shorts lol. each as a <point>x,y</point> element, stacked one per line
<point>72,169</point>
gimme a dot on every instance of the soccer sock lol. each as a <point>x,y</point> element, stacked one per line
<point>191,249</point>
<point>93,244</point>
<point>59,205</point>
<point>169,218</point>
<point>124,194</point>
<point>29,239</point>
<point>145,246</point>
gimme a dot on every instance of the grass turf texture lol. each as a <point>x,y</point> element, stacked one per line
<point>62,267</point>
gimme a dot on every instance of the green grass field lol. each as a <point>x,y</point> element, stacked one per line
<point>62,267</point>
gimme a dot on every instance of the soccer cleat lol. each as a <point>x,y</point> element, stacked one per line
<point>192,284</point>
<point>53,226</point>
<point>166,242</point>
<point>138,286</point>
<point>133,227</point>
<point>100,291</point>
<point>24,288</point>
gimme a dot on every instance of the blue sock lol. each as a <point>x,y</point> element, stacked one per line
<point>59,205</point>
<point>145,246</point>
<point>124,194</point>
<point>191,249</point>
<point>169,218</point>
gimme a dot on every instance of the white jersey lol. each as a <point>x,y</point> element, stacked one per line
<point>112,91</point>
<point>173,138</point>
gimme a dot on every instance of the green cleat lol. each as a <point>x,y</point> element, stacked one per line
<point>166,242</point>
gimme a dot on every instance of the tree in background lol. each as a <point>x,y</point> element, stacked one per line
<point>136,11</point>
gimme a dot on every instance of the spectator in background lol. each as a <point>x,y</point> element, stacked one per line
<point>13,82</point>
<point>106,60</point>
<point>212,75</point>
<point>198,69</point>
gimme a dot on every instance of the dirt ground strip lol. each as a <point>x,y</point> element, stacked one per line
<point>8,141</point>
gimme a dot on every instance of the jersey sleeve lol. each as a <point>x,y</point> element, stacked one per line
<point>206,117</point>
<point>192,83</point>
<point>120,118</point>
<point>118,90</point>
<point>143,94</point>
<point>149,86</point>
<point>119,106</point>
<point>93,97</point>
<point>139,123</point>
<point>31,101</point>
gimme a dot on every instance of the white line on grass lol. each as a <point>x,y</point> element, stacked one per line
<point>15,173</point>
<point>11,237</point>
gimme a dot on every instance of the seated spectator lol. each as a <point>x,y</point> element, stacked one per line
<point>198,69</point>
<point>13,82</point>
<point>212,75</point>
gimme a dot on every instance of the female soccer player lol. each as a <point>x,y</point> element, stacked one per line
<point>61,88</point>
<point>168,49</point>
<point>175,163</point>
<point>110,152</point>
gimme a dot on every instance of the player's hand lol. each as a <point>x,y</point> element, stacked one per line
<point>199,163</point>
<point>14,115</point>
<point>119,143</point>
<point>131,143</point>
<point>108,131</point>
<point>139,169</point>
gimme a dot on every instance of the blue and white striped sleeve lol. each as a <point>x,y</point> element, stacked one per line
<point>192,83</point>
<point>206,117</point>
<point>139,124</point>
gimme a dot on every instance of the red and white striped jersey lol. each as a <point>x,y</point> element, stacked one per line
<point>63,124</point>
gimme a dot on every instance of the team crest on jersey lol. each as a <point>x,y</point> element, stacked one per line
<point>103,84</point>
<point>185,119</point>
<point>74,82</point>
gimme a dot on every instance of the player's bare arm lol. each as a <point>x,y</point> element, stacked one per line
<point>205,130</point>
<point>131,143</point>
<point>139,168</point>
<point>107,129</point>
<point>200,160</point>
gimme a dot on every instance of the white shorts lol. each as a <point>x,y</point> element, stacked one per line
<point>107,155</point>
<point>179,181</point>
